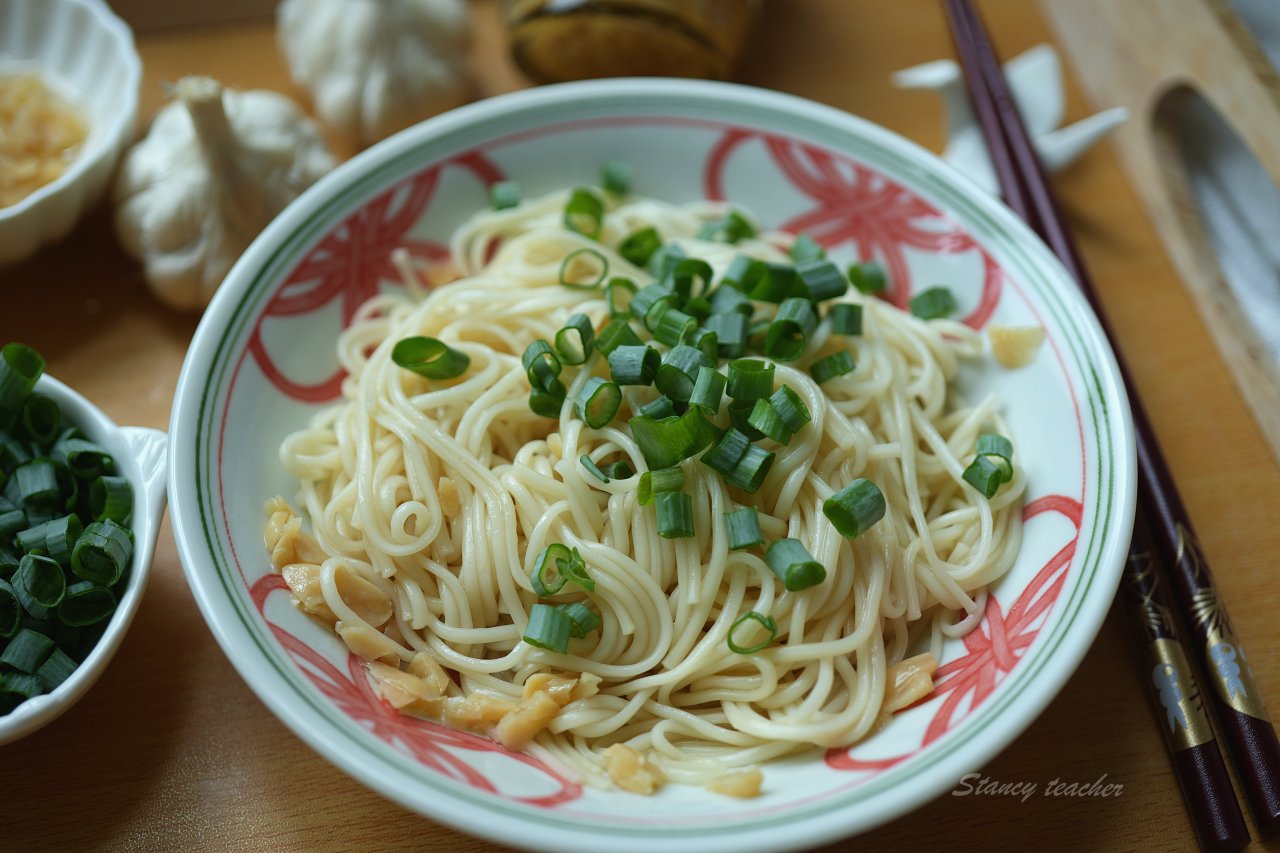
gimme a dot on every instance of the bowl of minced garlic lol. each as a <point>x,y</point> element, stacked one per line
<point>64,122</point>
<point>40,136</point>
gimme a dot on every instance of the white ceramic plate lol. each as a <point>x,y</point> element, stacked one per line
<point>263,359</point>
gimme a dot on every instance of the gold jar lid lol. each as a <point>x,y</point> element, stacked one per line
<point>557,40</point>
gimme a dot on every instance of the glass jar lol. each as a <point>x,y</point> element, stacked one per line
<point>558,40</point>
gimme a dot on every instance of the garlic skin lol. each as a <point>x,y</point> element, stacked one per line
<point>216,166</point>
<point>374,67</point>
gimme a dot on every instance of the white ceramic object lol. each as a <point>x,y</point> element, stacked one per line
<point>263,361</point>
<point>86,54</point>
<point>1035,79</point>
<point>140,456</point>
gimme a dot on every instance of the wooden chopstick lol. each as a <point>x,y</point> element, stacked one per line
<point>1239,710</point>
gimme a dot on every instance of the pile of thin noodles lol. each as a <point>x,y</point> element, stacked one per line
<point>429,500</point>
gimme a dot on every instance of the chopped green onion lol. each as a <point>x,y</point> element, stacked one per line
<point>731,333</point>
<point>730,228</point>
<point>766,421</point>
<point>549,628</point>
<point>933,304</point>
<point>583,619</point>
<point>620,470</point>
<point>845,319</point>
<point>56,669</point>
<point>726,453</point>
<point>678,372</point>
<point>684,274</point>
<point>672,326</point>
<point>763,621</point>
<point>20,368</point>
<point>739,414</point>
<point>669,441</point>
<point>707,342</point>
<point>8,562</point>
<point>855,509</point>
<point>430,357</point>
<point>592,468</point>
<point>675,514</point>
<point>638,246</point>
<point>574,570</point>
<point>598,402</point>
<point>583,269</point>
<point>992,465</point>
<point>27,651</point>
<point>838,363</point>
<point>634,364</point>
<point>619,305</point>
<point>664,260</point>
<point>16,687</point>
<point>548,403</point>
<point>794,565</point>
<point>41,419</point>
<point>39,584</point>
<point>615,177</point>
<point>662,407</point>
<point>790,408</point>
<point>85,459</point>
<point>788,334</point>
<point>111,497</point>
<point>773,282</point>
<point>102,553</point>
<point>750,379</point>
<point>574,341</point>
<point>56,538</point>
<point>868,277</point>
<point>12,453</point>
<point>751,469</point>
<point>10,610</point>
<point>708,388</point>
<point>729,300</point>
<point>699,307</point>
<point>36,483</point>
<point>663,480</point>
<point>804,248</point>
<point>991,444</point>
<point>86,603</point>
<point>547,577</point>
<point>584,213</point>
<point>985,475</point>
<point>743,526</point>
<point>823,280</point>
<point>650,301</point>
<point>504,194</point>
<point>617,334</point>
<point>12,521</point>
<point>542,366</point>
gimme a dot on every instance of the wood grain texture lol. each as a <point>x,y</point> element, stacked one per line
<point>171,750</point>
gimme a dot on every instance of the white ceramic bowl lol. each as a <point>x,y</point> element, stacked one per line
<point>140,456</point>
<point>86,54</point>
<point>263,359</point>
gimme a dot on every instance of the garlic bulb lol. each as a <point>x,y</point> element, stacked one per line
<point>377,66</point>
<point>214,169</point>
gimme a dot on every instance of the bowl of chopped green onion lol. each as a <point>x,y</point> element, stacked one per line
<point>80,504</point>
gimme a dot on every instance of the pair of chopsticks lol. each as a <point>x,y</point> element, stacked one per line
<point>1241,717</point>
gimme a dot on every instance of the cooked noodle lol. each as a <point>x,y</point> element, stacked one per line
<point>439,495</point>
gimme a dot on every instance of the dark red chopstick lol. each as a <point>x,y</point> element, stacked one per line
<point>1240,713</point>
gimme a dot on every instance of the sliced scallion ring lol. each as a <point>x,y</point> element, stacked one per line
<point>856,508</point>
<point>430,357</point>
<point>765,622</point>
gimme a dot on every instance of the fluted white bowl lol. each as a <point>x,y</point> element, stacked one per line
<point>86,54</point>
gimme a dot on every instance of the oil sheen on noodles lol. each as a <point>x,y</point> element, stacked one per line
<point>430,500</point>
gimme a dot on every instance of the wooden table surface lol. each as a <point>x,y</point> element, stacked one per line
<point>172,751</point>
